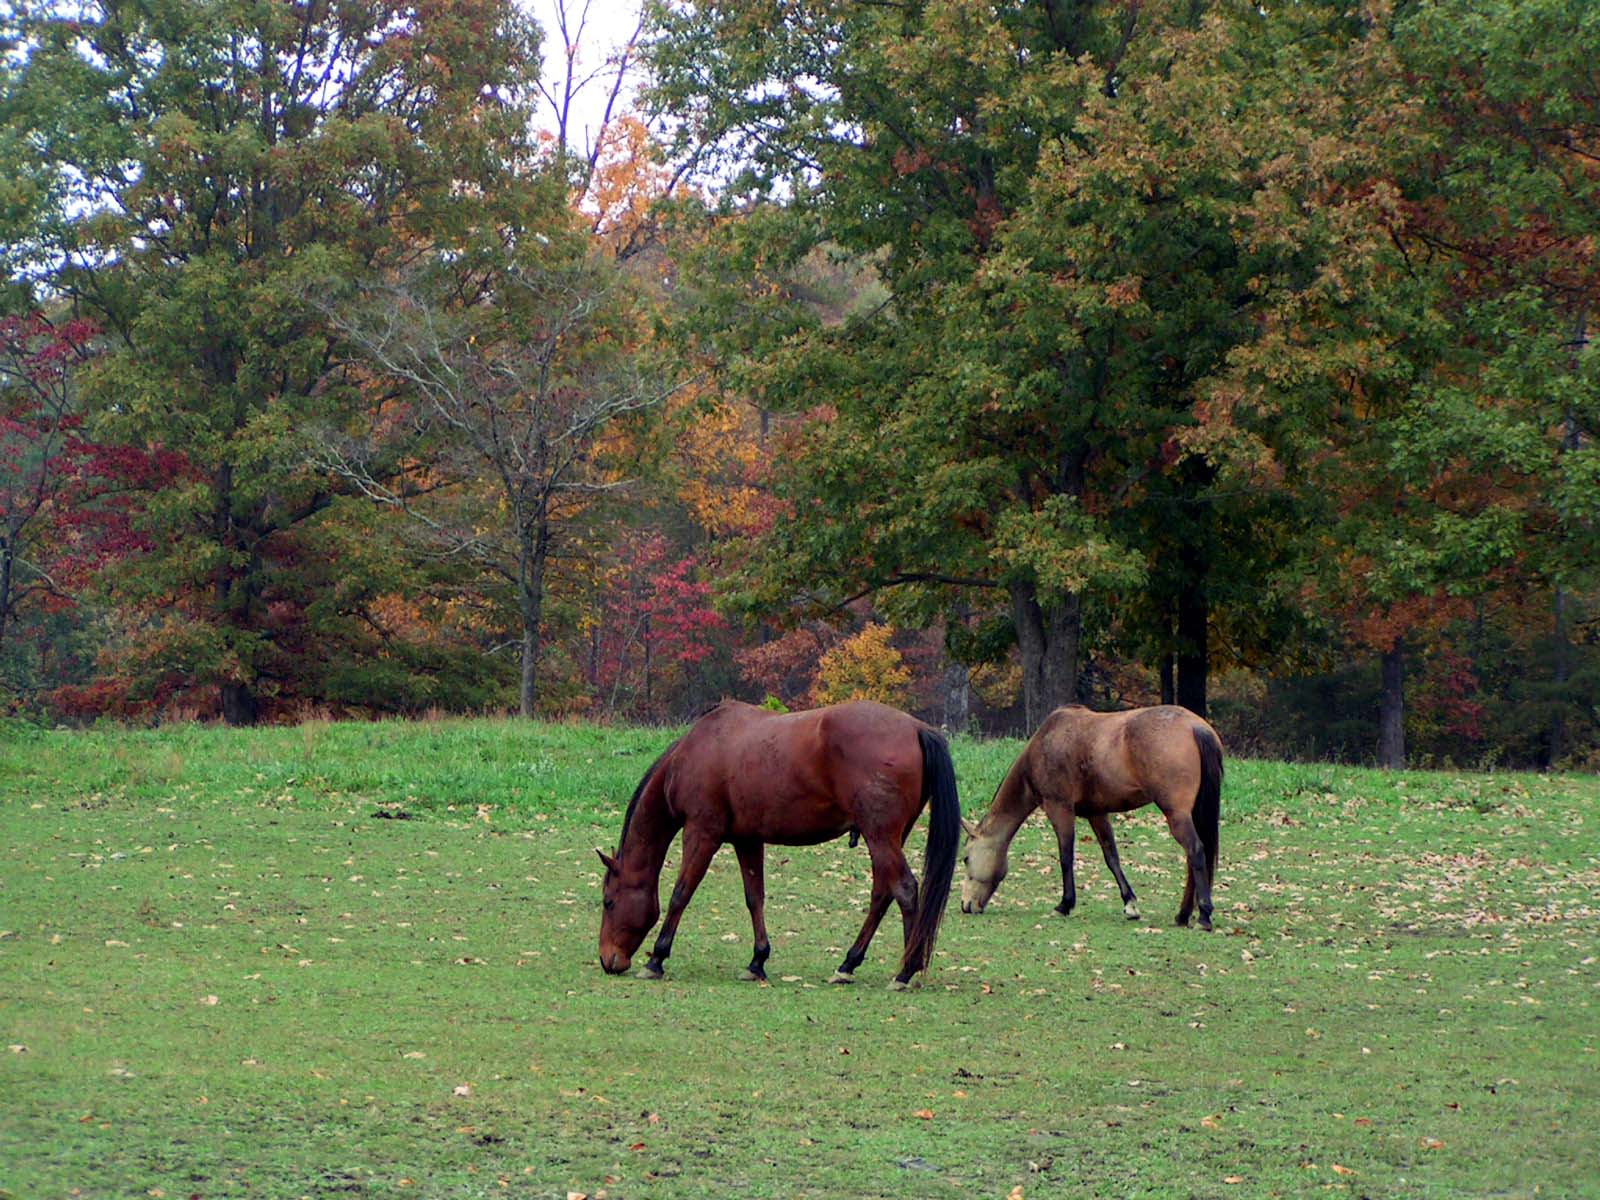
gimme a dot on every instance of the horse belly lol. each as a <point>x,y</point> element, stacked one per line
<point>1101,802</point>
<point>797,819</point>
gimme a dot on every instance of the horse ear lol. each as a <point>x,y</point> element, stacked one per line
<point>972,830</point>
<point>611,863</point>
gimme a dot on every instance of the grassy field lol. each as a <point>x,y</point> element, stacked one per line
<point>359,960</point>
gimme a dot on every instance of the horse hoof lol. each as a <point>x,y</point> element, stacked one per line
<point>647,973</point>
<point>842,977</point>
<point>1205,924</point>
<point>1065,912</point>
<point>1131,911</point>
<point>899,985</point>
<point>750,976</point>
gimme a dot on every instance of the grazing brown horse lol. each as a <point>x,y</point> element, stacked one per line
<point>749,776</point>
<point>1089,764</point>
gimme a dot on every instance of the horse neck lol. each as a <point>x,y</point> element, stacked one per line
<point>651,829</point>
<point>1013,802</point>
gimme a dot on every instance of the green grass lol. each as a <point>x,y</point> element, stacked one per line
<point>236,973</point>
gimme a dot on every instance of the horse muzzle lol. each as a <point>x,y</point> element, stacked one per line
<point>615,962</point>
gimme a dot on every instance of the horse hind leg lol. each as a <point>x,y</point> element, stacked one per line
<point>1101,824</point>
<point>752,866</point>
<point>891,880</point>
<point>1063,818</point>
<point>1197,888</point>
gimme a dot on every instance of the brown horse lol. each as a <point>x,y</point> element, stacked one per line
<point>1089,764</point>
<point>749,776</point>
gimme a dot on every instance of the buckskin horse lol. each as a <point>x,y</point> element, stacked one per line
<point>753,777</point>
<point>1088,764</point>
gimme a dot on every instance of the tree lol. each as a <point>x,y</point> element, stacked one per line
<point>863,667</point>
<point>654,626</point>
<point>1082,215</point>
<point>41,452</point>
<point>212,161</point>
<point>1506,201</point>
<point>495,444</point>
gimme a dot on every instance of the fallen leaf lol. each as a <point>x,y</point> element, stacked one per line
<point>463,1089</point>
<point>925,1114</point>
<point>1363,1121</point>
<point>636,1147</point>
<point>1233,1179</point>
<point>577,1196</point>
<point>1212,1122</point>
<point>1338,1170</point>
<point>1015,1193</point>
<point>210,1001</point>
<point>1432,1144</point>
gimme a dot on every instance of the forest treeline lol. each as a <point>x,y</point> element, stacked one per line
<point>980,358</point>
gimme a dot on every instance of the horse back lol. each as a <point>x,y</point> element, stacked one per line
<point>797,778</point>
<point>1114,762</point>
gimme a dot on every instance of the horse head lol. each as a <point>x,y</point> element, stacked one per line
<point>985,862</point>
<point>631,907</point>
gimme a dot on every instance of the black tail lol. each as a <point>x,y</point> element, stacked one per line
<point>939,863</point>
<point>1208,800</point>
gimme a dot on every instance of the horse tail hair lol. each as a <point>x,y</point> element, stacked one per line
<point>939,863</point>
<point>1208,799</point>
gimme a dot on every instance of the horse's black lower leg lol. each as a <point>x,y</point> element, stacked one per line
<point>1197,888</point>
<point>1108,850</point>
<point>752,865</point>
<point>697,854</point>
<point>1063,818</point>
<point>905,894</point>
<point>891,880</point>
<point>1069,882</point>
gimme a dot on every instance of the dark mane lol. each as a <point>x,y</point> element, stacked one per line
<point>627,817</point>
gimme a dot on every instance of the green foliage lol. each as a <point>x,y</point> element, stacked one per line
<point>208,166</point>
<point>1101,237</point>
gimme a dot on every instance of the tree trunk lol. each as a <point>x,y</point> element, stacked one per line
<point>7,556</point>
<point>957,688</point>
<point>239,704</point>
<point>534,548</point>
<point>649,663</point>
<point>1391,709</point>
<point>1047,635</point>
<point>1193,660</point>
<point>1167,668</point>
<point>1561,673</point>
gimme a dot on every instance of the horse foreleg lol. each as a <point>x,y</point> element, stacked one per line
<point>1198,886</point>
<point>1063,817</point>
<point>891,880</point>
<point>752,863</point>
<point>697,853</point>
<point>1101,824</point>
